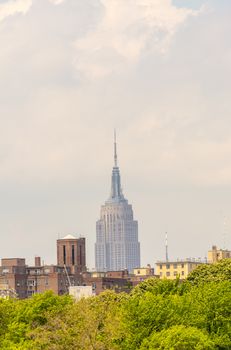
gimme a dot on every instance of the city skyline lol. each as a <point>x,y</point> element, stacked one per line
<point>158,71</point>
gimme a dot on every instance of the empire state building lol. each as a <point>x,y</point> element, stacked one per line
<point>117,246</point>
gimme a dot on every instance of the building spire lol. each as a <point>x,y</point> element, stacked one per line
<point>166,246</point>
<point>116,191</point>
<point>115,149</point>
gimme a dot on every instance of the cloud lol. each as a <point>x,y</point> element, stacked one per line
<point>127,30</point>
<point>56,2</point>
<point>168,99</point>
<point>13,7</point>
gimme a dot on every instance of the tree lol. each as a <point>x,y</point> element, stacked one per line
<point>178,338</point>
<point>156,286</point>
<point>27,315</point>
<point>151,307</point>
<point>205,273</point>
<point>90,324</point>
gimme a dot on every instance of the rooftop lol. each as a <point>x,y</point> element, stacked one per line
<point>187,260</point>
<point>69,237</point>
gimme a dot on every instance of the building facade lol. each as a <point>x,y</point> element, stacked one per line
<point>24,281</point>
<point>216,254</point>
<point>117,246</point>
<point>177,269</point>
<point>144,271</point>
<point>118,281</point>
<point>79,292</point>
<point>13,277</point>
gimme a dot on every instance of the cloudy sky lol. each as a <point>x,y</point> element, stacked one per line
<point>159,71</point>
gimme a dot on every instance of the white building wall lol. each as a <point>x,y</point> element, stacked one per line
<point>79,292</point>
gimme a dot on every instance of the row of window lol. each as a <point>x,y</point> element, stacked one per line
<point>175,273</point>
<point>114,217</point>
<point>33,283</point>
<point>174,266</point>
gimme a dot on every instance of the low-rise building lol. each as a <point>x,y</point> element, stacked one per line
<point>117,281</point>
<point>50,277</point>
<point>216,254</point>
<point>26,281</point>
<point>177,268</point>
<point>144,271</point>
<point>13,277</point>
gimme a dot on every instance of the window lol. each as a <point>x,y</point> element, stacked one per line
<point>64,255</point>
<point>73,254</point>
<point>31,283</point>
<point>30,293</point>
<point>167,274</point>
<point>175,273</point>
<point>168,266</point>
<point>175,266</point>
<point>182,273</point>
<point>160,267</point>
<point>80,255</point>
<point>182,265</point>
<point>160,274</point>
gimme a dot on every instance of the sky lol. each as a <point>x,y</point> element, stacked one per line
<point>156,70</point>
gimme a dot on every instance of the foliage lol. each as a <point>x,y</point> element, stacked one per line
<point>88,324</point>
<point>205,273</point>
<point>157,314</point>
<point>156,286</point>
<point>206,307</point>
<point>26,315</point>
<point>179,337</point>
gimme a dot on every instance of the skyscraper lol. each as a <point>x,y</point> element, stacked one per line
<point>117,245</point>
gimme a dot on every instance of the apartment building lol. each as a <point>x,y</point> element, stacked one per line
<point>216,254</point>
<point>25,281</point>
<point>177,268</point>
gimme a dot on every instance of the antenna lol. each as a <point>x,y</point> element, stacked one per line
<point>166,246</point>
<point>115,150</point>
<point>224,232</point>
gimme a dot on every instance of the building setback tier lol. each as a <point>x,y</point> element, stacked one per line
<point>117,246</point>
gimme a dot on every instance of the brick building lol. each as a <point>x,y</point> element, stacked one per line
<point>119,281</point>
<point>25,280</point>
<point>113,280</point>
<point>13,276</point>
<point>17,278</point>
<point>71,252</point>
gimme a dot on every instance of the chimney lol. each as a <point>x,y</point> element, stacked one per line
<point>37,261</point>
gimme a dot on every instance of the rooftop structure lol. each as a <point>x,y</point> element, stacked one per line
<point>68,237</point>
<point>71,253</point>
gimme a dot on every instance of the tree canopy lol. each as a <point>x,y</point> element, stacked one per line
<point>157,314</point>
